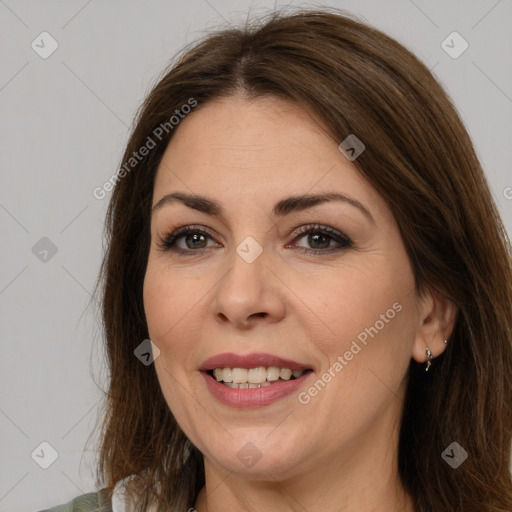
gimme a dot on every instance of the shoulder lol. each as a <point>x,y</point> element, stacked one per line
<point>90,502</point>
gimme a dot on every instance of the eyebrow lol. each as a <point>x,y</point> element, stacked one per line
<point>281,208</point>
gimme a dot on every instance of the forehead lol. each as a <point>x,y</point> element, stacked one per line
<point>260,130</point>
<point>254,149</point>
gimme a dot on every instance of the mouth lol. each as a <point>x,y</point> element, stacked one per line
<point>252,380</point>
<point>248,361</point>
<point>255,378</point>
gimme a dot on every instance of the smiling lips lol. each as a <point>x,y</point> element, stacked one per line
<point>254,377</point>
<point>254,360</point>
<point>252,380</point>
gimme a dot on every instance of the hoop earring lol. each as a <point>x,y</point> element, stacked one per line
<point>429,359</point>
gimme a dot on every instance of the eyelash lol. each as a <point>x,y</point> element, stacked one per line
<point>168,243</point>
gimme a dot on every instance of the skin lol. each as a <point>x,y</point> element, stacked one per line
<point>339,451</point>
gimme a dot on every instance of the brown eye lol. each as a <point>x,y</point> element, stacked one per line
<point>320,239</point>
<point>195,240</point>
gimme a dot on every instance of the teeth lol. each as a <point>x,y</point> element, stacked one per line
<point>257,375</point>
<point>285,373</point>
<point>260,376</point>
<point>239,375</point>
<point>245,385</point>
<point>272,373</point>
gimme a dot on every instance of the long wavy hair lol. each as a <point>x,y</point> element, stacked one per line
<point>419,157</point>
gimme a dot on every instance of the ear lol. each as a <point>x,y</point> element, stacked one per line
<point>437,316</point>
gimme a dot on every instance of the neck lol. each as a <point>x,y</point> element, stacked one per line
<point>233,494</point>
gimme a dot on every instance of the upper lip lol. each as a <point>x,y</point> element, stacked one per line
<point>253,360</point>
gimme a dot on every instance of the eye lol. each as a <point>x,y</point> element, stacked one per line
<point>320,238</point>
<point>196,238</point>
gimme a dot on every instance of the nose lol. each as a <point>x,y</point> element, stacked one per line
<point>250,293</point>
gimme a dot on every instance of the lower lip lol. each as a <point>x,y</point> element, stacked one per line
<point>253,397</point>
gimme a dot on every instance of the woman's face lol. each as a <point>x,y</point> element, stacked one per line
<point>248,280</point>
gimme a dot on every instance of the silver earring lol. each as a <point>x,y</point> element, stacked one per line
<point>429,359</point>
<point>445,342</point>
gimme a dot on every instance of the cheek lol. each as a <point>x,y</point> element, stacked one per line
<point>359,302</point>
<point>368,350</point>
<point>170,297</point>
<point>366,315</point>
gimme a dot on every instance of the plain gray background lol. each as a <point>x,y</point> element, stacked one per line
<point>64,122</point>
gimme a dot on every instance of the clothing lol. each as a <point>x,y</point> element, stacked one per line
<point>98,502</point>
<point>90,502</point>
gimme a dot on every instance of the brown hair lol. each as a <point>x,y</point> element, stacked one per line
<point>420,158</point>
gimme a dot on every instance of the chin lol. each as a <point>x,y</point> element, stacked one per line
<point>255,457</point>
